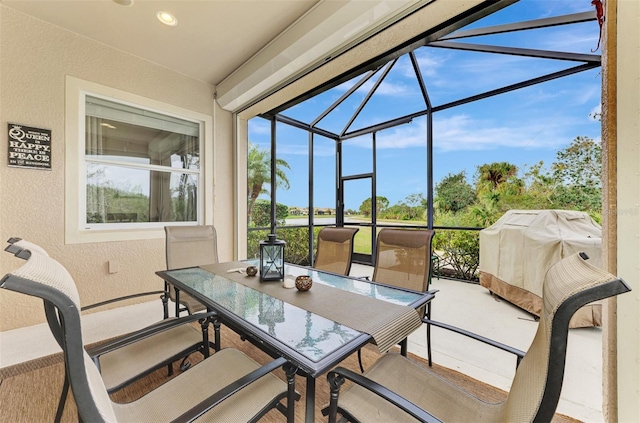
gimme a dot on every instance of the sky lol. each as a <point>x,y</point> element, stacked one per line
<point>522,127</point>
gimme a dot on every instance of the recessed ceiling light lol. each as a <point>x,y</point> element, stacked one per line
<point>124,2</point>
<point>166,18</point>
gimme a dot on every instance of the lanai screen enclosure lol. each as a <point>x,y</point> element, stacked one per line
<point>343,134</point>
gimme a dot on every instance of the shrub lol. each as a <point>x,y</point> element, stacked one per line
<point>297,239</point>
<point>261,213</point>
<point>459,249</point>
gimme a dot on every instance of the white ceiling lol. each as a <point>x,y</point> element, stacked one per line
<point>211,40</point>
<point>258,43</point>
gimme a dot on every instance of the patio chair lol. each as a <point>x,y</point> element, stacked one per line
<point>188,246</point>
<point>129,357</point>
<point>403,259</point>
<point>409,389</point>
<point>228,386</point>
<point>335,248</point>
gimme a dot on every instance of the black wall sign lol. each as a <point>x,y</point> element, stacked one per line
<point>29,147</point>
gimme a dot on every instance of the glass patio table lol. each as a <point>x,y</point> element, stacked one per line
<point>314,330</point>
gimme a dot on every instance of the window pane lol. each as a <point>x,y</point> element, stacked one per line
<point>117,194</point>
<point>401,172</point>
<point>258,185</point>
<point>292,178</point>
<point>135,144</point>
<point>398,95</point>
<point>357,209</point>
<point>357,155</point>
<point>324,180</point>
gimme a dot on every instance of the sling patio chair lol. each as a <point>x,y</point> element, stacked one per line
<point>395,388</point>
<point>129,357</point>
<point>228,386</point>
<point>188,246</point>
<point>403,259</point>
<point>335,248</point>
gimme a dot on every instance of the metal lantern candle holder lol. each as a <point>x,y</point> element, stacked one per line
<point>272,259</point>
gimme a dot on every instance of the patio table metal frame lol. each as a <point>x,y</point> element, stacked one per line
<point>308,367</point>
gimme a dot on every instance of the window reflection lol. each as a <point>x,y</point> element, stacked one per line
<point>118,194</point>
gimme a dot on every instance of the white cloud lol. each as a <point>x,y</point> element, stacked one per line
<point>556,7</point>
<point>577,40</point>
<point>464,133</point>
<point>293,149</point>
<point>428,63</point>
<point>386,88</point>
<point>324,150</point>
<point>586,94</point>
<point>258,126</point>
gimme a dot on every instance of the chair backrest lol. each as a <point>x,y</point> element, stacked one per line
<point>335,248</point>
<point>19,246</point>
<point>569,284</point>
<point>188,246</point>
<point>43,277</point>
<point>403,258</point>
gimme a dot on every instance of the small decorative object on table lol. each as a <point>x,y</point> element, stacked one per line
<point>289,282</point>
<point>252,271</point>
<point>272,259</point>
<point>303,283</point>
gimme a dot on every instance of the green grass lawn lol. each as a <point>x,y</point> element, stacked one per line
<point>362,241</point>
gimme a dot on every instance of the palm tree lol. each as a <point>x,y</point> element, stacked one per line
<point>496,173</point>
<point>259,174</point>
<point>493,175</point>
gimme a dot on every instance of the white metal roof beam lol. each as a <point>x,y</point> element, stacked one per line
<point>433,20</point>
<point>327,30</point>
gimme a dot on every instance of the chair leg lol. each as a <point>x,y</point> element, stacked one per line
<point>177,291</point>
<point>435,263</point>
<point>63,399</point>
<point>165,300</point>
<point>335,382</point>
<point>290,371</point>
<point>216,335</point>
<point>360,361</point>
<point>429,335</point>
<point>204,324</point>
<point>403,347</point>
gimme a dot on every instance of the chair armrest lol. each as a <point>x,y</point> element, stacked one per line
<point>362,278</point>
<point>146,332</point>
<point>126,297</point>
<point>519,353</point>
<point>229,390</point>
<point>381,391</point>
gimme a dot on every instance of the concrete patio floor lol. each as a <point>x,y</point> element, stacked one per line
<point>461,304</point>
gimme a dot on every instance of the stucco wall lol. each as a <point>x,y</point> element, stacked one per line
<point>628,207</point>
<point>35,58</point>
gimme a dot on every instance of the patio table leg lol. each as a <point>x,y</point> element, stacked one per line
<point>310,400</point>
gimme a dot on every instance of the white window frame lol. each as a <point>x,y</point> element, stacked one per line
<point>76,229</point>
